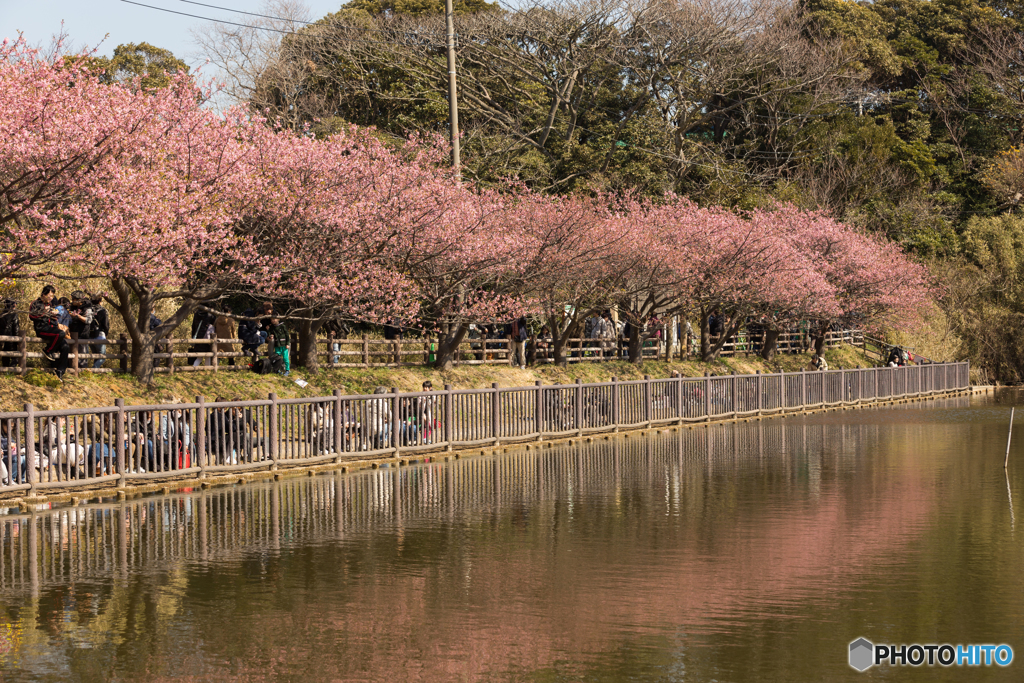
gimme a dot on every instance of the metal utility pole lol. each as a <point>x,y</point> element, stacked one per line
<point>453,103</point>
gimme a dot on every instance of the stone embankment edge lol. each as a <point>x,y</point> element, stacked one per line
<point>167,486</point>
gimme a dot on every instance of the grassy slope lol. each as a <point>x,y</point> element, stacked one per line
<point>101,390</point>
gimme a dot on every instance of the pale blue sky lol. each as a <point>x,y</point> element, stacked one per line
<point>87,21</point>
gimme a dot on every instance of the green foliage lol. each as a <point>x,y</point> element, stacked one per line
<point>984,299</point>
<point>913,138</point>
<point>419,7</point>
<point>153,66</point>
<point>45,380</point>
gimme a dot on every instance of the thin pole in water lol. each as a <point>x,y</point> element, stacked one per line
<point>1009,494</point>
<point>1006,461</point>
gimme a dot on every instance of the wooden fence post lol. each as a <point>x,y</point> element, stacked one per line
<point>275,436</point>
<point>579,407</point>
<point>538,413</point>
<point>679,400</point>
<point>803,388</point>
<point>495,419</point>
<point>122,353</point>
<point>338,416</point>
<point>396,420</point>
<point>735,394</point>
<point>170,354</point>
<point>30,440</point>
<point>119,445</point>
<point>760,387</point>
<point>23,350</point>
<point>397,351</point>
<point>199,437</point>
<point>615,403</point>
<point>449,417</point>
<point>647,399</point>
<point>707,396</point>
<point>366,351</point>
<point>74,354</point>
<point>213,350</point>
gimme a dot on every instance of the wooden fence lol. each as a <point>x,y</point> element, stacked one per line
<point>19,354</point>
<point>61,449</point>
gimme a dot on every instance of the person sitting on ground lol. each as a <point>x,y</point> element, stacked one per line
<point>44,316</point>
<point>249,331</point>
<point>378,418</point>
<point>819,363</point>
<point>427,411</point>
<point>277,339</point>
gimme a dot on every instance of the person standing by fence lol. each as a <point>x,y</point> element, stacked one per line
<point>81,314</point>
<point>99,329</point>
<point>518,333</point>
<point>225,329</point>
<point>277,339</point>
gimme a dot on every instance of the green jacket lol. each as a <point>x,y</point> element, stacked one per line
<point>280,334</point>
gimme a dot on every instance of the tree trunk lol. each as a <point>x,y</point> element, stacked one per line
<point>770,344</point>
<point>448,346</point>
<point>705,333</point>
<point>307,356</point>
<point>560,339</point>
<point>636,341</point>
<point>142,361</point>
<point>130,294</point>
<point>730,331</point>
<point>819,343</point>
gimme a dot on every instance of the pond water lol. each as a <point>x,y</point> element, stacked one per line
<point>748,552</point>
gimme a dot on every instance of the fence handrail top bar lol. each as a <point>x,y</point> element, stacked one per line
<point>63,412</point>
<point>98,410</point>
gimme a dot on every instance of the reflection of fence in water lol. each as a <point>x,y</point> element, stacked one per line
<point>78,543</point>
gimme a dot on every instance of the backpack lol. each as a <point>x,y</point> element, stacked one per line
<point>268,365</point>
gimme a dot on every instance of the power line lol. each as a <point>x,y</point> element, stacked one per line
<point>251,14</point>
<point>196,16</point>
<point>272,30</point>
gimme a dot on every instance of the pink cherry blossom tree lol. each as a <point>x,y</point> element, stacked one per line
<point>584,251</point>
<point>876,285</point>
<point>325,229</point>
<point>140,188</point>
<point>460,246</point>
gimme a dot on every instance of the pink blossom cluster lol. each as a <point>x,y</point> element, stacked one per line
<point>168,200</point>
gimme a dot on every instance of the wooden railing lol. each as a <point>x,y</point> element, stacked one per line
<point>118,445</point>
<point>19,354</point>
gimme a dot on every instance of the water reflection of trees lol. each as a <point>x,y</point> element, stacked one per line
<point>729,515</point>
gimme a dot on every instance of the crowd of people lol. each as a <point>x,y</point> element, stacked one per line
<point>170,439</point>
<point>81,319</point>
<point>61,322</point>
